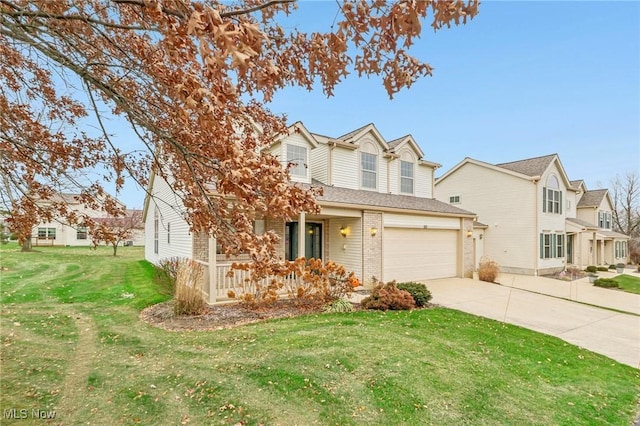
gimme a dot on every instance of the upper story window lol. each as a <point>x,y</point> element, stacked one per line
<point>369,167</point>
<point>552,196</point>
<point>454,199</point>
<point>297,155</point>
<point>406,177</point>
<point>604,220</point>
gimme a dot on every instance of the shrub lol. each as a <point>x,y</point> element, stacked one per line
<point>418,291</point>
<point>170,266</point>
<point>602,268</point>
<point>620,265</point>
<point>388,296</point>
<point>591,269</point>
<point>606,283</point>
<point>309,282</point>
<point>488,270</point>
<point>612,266</point>
<point>188,297</point>
<point>339,305</point>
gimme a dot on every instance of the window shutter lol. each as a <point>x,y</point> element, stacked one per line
<point>617,250</point>
<point>560,194</point>
<point>561,245</point>
<point>544,200</point>
<point>541,246</point>
<point>553,245</point>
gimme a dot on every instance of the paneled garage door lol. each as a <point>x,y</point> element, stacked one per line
<point>419,254</point>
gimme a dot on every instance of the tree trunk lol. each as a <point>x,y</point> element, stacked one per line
<point>115,248</point>
<point>26,245</point>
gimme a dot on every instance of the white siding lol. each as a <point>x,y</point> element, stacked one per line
<point>507,204</point>
<point>393,167</point>
<point>170,211</point>
<point>346,168</point>
<point>552,223</point>
<point>346,251</point>
<point>424,181</point>
<point>320,163</point>
<point>412,221</point>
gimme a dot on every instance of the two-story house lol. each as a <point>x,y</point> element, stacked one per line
<point>378,214</point>
<point>536,220</point>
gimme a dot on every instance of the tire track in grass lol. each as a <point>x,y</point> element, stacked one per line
<point>80,366</point>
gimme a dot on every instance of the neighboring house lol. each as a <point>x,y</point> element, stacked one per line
<point>378,214</point>
<point>58,232</point>
<point>536,221</point>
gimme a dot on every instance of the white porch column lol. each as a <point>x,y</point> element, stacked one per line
<point>301,234</point>
<point>213,271</point>
<point>594,251</point>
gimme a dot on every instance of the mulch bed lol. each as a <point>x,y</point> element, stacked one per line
<point>217,317</point>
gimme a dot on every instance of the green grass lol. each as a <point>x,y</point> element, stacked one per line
<point>72,343</point>
<point>629,283</point>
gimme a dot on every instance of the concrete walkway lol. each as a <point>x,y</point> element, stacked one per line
<point>614,334</point>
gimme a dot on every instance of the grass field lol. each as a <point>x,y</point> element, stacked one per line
<point>629,283</point>
<point>71,342</point>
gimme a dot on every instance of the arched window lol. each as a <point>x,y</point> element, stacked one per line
<point>552,196</point>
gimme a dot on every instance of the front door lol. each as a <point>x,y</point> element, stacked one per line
<point>312,240</point>
<point>570,249</point>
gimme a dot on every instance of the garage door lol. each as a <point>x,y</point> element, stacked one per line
<point>419,254</point>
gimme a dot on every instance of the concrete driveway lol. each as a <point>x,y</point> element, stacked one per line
<point>610,333</point>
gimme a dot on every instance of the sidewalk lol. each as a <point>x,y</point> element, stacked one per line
<point>580,290</point>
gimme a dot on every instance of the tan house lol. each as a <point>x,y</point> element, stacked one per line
<point>59,232</point>
<point>532,218</point>
<point>378,214</point>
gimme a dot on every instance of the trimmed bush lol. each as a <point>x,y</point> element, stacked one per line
<point>339,305</point>
<point>591,269</point>
<point>488,270</point>
<point>620,265</point>
<point>612,266</point>
<point>603,268</point>
<point>606,283</point>
<point>388,297</point>
<point>418,291</point>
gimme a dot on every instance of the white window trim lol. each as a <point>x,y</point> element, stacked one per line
<point>374,172</point>
<point>412,177</point>
<point>300,168</point>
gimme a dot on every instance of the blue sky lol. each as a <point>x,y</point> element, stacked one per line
<point>523,79</point>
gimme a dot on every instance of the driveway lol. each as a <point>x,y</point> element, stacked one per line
<point>610,333</point>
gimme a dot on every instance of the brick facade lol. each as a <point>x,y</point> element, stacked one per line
<point>371,247</point>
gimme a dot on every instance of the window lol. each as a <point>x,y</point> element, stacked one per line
<point>156,229</point>
<point>620,249</point>
<point>297,155</point>
<point>604,220</point>
<point>81,233</point>
<point>46,233</point>
<point>552,196</point>
<point>454,199</point>
<point>168,233</point>
<point>369,170</point>
<point>406,177</point>
<point>617,249</point>
<point>551,246</point>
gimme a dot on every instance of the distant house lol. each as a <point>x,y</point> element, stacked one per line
<point>535,220</point>
<point>58,232</point>
<point>378,214</point>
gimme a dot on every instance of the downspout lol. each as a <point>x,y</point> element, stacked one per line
<point>332,146</point>
<point>536,232</point>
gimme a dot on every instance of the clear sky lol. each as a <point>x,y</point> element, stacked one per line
<point>523,79</point>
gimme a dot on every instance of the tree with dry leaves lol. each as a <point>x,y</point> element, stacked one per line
<point>191,79</point>
<point>625,194</point>
<point>114,231</point>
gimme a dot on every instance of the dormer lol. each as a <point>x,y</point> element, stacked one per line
<point>294,149</point>
<point>408,173</point>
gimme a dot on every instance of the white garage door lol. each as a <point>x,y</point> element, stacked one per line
<point>419,254</point>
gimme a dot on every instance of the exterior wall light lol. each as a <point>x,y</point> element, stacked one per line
<point>343,231</point>
<point>469,234</point>
<point>373,231</point>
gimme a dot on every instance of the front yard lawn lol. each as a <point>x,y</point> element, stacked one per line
<point>72,342</point>
<point>629,283</point>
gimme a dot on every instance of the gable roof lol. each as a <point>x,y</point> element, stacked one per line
<point>373,199</point>
<point>354,132</point>
<point>578,183</point>
<point>397,144</point>
<point>530,166</point>
<point>592,198</point>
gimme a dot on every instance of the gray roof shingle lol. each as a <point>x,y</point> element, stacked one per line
<point>592,198</point>
<point>581,222</point>
<point>353,132</point>
<point>530,166</point>
<point>376,199</point>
